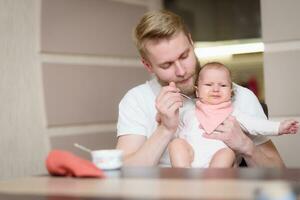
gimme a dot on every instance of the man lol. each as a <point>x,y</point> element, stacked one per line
<point>149,113</point>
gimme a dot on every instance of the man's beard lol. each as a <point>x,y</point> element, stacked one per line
<point>186,89</point>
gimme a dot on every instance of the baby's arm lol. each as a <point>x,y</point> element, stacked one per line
<point>256,126</point>
<point>288,127</point>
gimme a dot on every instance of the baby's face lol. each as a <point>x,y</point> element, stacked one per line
<point>214,86</point>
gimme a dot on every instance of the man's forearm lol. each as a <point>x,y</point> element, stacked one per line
<point>264,155</point>
<point>151,151</point>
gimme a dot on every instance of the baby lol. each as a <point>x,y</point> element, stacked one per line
<point>215,92</point>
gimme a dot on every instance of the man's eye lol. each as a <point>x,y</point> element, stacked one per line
<point>184,56</point>
<point>166,65</point>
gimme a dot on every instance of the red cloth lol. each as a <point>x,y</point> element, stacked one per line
<point>63,163</point>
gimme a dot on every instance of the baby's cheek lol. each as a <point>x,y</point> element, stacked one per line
<point>228,95</point>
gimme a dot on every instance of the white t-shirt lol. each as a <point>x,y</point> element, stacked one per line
<point>137,111</point>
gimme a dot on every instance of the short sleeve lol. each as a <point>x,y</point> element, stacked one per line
<point>132,117</point>
<point>246,102</point>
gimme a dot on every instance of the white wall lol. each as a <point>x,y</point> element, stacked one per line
<point>281,35</point>
<point>23,141</point>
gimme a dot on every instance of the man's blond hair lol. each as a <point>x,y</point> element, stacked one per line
<point>156,25</point>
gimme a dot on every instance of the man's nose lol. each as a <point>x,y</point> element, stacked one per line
<point>180,70</point>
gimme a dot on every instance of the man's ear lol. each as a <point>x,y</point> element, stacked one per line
<point>147,65</point>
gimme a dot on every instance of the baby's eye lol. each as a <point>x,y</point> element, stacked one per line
<point>223,85</point>
<point>208,84</point>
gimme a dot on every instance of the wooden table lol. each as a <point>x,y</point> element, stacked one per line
<point>158,183</point>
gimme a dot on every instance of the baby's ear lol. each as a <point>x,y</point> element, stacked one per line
<point>196,89</point>
<point>232,90</point>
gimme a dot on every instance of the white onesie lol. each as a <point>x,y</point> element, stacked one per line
<point>204,149</point>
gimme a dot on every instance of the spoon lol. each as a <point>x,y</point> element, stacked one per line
<point>83,148</point>
<point>185,96</point>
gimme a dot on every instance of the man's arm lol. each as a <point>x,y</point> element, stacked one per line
<point>263,155</point>
<point>139,150</point>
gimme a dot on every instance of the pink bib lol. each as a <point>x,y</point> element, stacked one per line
<point>211,116</point>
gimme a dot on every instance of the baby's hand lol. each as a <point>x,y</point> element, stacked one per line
<point>288,127</point>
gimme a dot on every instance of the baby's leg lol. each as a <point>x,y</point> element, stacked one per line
<point>223,158</point>
<point>181,153</point>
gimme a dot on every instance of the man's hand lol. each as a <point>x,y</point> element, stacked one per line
<point>288,127</point>
<point>232,135</point>
<point>167,104</point>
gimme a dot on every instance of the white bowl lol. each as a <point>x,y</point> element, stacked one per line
<point>107,159</point>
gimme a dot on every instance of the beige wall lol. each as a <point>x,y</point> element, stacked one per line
<point>88,62</point>
<point>23,142</point>
<point>281,35</point>
<point>58,57</point>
